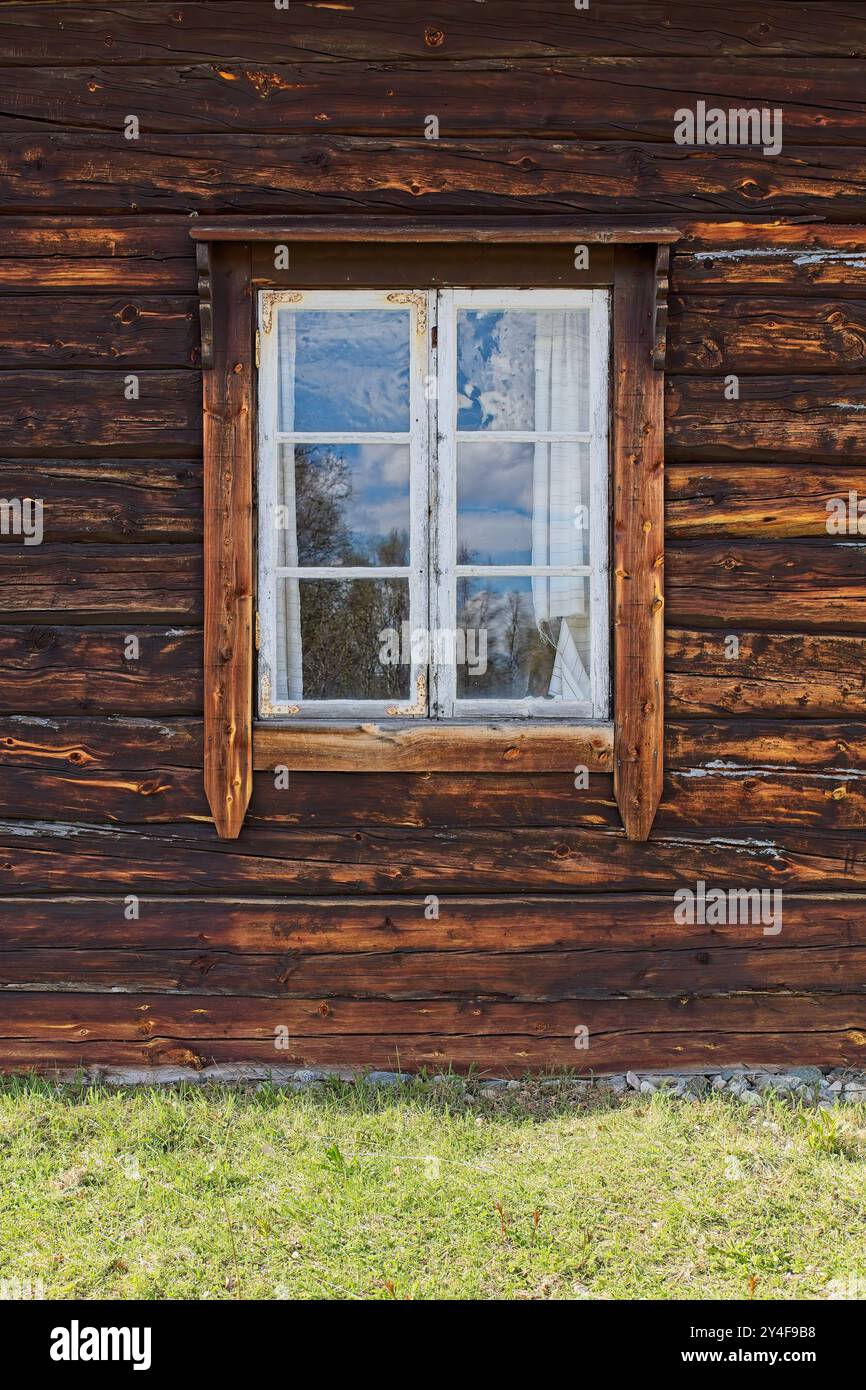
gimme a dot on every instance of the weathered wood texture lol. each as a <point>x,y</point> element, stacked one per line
<point>228,544</point>
<point>643,181</point>
<point>740,500</point>
<point>99,330</point>
<point>618,98</point>
<point>111,500</point>
<point>62,670</point>
<point>162,33</point>
<point>314,918</point>
<point>637,488</point>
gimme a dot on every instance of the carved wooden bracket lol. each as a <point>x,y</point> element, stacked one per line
<point>205,301</point>
<point>660,322</point>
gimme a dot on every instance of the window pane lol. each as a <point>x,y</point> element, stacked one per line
<point>343,504</point>
<point>344,370</point>
<point>522,504</point>
<point>525,637</point>
<point>523,369</point>
<point>340,639</point>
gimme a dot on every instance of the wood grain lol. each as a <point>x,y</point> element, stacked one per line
<point>643,182</point>
<point>428,748</point>
<point>42,857</point>
<point>809,419</point>
<point>129,255</point>
<point>138,500</point>
<point>780,675</point>
<point>612,98</point>
<point>162,33</point>
<point>147,583</point>
<point>51,1030</point>
<point>750,333</point>
<point>99,330</point>
<point>762,501</point>
<point>63,669</point>
<point>804,584</point>
<point>76,414</point>
<point>228,539</point>
<point>637,480</point>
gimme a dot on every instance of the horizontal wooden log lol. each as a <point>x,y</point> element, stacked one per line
<point>760,501</point>
<point>431,748</point>
<point>51,857</point>
<point>50,1030</point>
<point>164,793</point>
<point>805,744</point>
<point>274,173</point>
<point>811,419</point>
<point>129,255</point>
<point>99,331</point>
<point>782,257</point>
<point>149,772</point>
<point>436,975</point>
<point>163,32</point>
<point>102,744</point>
<point>76,413</point>
<point>595,99</point>
<point>776,674</point>
<point>810,584</point>
<point>63,670</point>
<point>109,499</point>
<point>150,583</point>
<point>721,333</point>
<point>298,927</point>
<point>58,670</point>
<point>702,797</point>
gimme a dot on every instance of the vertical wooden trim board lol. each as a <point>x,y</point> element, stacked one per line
<point>638,542</point>
<point>228,543</point>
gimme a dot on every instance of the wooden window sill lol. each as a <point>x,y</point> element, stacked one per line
<point>431,746</point>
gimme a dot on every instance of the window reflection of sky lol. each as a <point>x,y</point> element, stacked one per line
<point>495,370</point>
<point>351,370</point>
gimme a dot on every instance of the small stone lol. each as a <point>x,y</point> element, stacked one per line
<point>496,1083</point>
<point>719,1083</point>
<point>618,1084</point>
<point>834,1086</point>
<point>512,1086</point>
<point>811,1076</point>
<point>750,1098</point>
<point>855,1094</point>
<point>695,1086</point>
<point>633,1081</point>
<point>647,1088</point>
<point>385,1078</point>
<point>306,1077</point>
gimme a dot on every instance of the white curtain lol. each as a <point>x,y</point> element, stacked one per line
<point>290,664</point>
<point>561,348</point>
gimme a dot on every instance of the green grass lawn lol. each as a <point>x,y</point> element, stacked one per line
<point>428,1190</point>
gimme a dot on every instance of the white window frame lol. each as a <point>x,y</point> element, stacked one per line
<point>433,514</point>
<point>444,702</point>
<point>270,304</point>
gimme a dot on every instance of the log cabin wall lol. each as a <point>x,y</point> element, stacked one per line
<point>130,935</point>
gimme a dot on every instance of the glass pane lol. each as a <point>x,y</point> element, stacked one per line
<point>343,504</point>
<point>523,369</point>
<point>522,504</point>
<point>341,639</point>
<point>524,637</point>
<point>344,370</point>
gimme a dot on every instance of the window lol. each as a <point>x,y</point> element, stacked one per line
<point>433,504</point>
<point>377,413</point>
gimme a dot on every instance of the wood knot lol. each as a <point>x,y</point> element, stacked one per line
<point>433,37</point>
